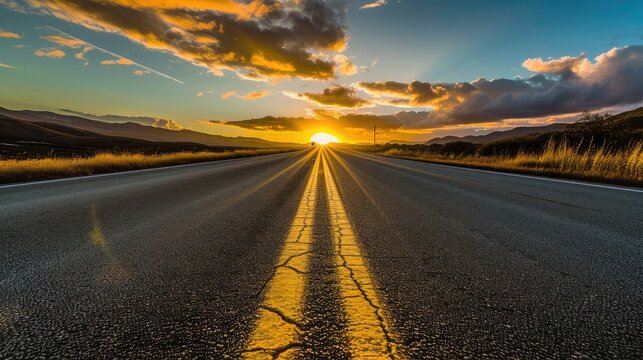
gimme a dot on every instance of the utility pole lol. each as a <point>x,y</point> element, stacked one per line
<point>374,142</point>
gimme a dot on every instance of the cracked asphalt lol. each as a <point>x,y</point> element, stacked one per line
<point>320,254</point>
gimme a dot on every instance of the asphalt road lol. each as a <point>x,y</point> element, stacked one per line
<point>320,254</point>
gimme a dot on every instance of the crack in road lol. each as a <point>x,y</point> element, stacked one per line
<point>369,330</point>
<point>283,316</point>
<point>277,329</point>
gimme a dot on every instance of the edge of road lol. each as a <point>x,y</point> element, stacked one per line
<point>157,168</point>
<point>513,174</point>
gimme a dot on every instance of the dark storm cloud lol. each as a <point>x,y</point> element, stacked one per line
<point>338,122</point>
<point>336,96</point>
<point>565,85</point>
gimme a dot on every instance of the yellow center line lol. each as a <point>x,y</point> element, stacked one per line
<point>277,329</point>
<point>368,329</point>
<point>113,269</point>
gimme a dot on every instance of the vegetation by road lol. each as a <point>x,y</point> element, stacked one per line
<point>15,170</point>
<point>598,148</point>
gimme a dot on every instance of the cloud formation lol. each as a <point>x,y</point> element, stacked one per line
<point>119,61</point>
<point>258,39</point>
<point>6,66</point>
<point>49,52</point>
<point>559,86</point>
<point>417,93</point>
<point>374,4</point>
<point>65,41</point>
<point>252,95</point>
<point>228,94</point>
<point>9,35</point>
<point>344,66</point>
<point>70,42</point>
<point>122,59</point>
<point>336,96</point>
<point>325,120</point>
<point>13,5</point>
<point>81,55</point>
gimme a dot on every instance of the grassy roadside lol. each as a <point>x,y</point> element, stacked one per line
<point>53,168</point>
<point>623,167</point>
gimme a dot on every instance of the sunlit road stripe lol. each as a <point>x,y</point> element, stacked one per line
<point>276,332</point>
<point>112,268</point>
<point>368,329</point>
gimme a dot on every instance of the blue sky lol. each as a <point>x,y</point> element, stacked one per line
<point>462,40</point>
<point>401,41</point>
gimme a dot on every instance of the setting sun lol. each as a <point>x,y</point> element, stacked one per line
<point>323,138</point>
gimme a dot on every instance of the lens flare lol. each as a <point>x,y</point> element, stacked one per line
<point>323,138</point>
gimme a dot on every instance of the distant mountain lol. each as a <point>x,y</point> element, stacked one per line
<point>24,139</point>
<point>499,135</point>
<point>137,131</point>
<point>143,120</point>
<point>24,132</point>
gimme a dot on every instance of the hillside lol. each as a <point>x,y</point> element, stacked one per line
<point>629,122</point>
<point>137,131</point>
<point>499,135</point>
<point>616,132</point>
<point>613,133</point>
<point>23,139</point>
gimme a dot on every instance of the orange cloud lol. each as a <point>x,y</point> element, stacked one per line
<point>140,72</point>
<point>418,93</point>
<point>252,95</point>
<point>49,52</point>
<point>228,94</point>
<point>255,7</point>
<point>81,55</point>
<point>565,65</point>
<point>344,66</point>
<point>9,35</point>
<point>374,4</point>
<point>63,41</point>
<point>121,61</point>
<point>258,40</point>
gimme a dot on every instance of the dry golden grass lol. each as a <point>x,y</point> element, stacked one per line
<point>562,160</point>
<point>50,168</point>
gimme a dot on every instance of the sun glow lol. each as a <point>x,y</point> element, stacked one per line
<point>323,138</point>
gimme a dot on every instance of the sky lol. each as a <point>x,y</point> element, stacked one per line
<point>284,70</point>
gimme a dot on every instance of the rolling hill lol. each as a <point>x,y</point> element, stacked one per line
<point>136,131</point>
<point>499,135</point>
<point>24,139</point>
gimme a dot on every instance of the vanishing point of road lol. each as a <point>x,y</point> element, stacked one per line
<point>320,254</point>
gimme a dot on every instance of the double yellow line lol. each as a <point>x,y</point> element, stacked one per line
<point>279,326</point>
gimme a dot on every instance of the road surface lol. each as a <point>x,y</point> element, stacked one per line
<point>323,253</point>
